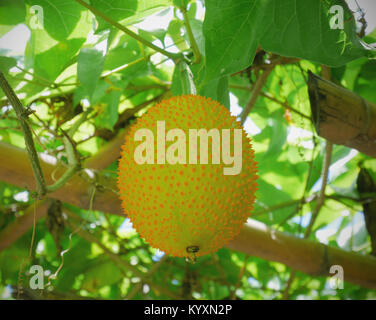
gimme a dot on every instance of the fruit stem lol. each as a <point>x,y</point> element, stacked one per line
<point>192,250</point>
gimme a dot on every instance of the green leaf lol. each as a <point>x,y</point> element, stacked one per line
<point>7,63</point>
<point>146,8</point>
<point>115,9</point>
<point>77,258</point>
<point>302,29</point>
<point>233,30</point>
<point>12,12</point>
<point>175,32</point>
<point>127,12</point>
<point>366,81</point>
<point>192,10</point>
<point>226,263</point>
<point>109,113</point>
<point>181,3</point>
<point>48,57</point>
<point>89,68</point>
<point>128,51</point>
<point>338,153</point>
<point>49,64</point>
<point>10,260</point>
<point>328,213</point>
<point>278,136</point>
<point>59,17</point>
<point>267,196</point>
<point>100,91</point>
<point>217,89</point>
<point>101,274</point>
<point>151,35</point>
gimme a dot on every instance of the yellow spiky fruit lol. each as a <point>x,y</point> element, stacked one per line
<point>179,206</point>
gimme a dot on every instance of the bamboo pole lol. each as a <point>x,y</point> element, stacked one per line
<point>305,255</point>
<point>10,155</point>
<point>341,116</point>
<point>15,169</point>
<point>255,238</point>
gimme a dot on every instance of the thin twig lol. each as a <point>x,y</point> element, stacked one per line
<point>326,72</point>
<point>73,157</point>
<point>319,204</point>
<point>125,66</point>
<point>321,196</point>
<point>116,258</point>
<point>283,205</point>
<point>47,82</point>
<point>303,198</point>
<point>22,116</point>
<point>260,82</point>
<point>285,293</point>
<point>284,104</point>
<point>240,277</point>
<point>148,275</point>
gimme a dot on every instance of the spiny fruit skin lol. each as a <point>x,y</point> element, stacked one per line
<point>174,207</point>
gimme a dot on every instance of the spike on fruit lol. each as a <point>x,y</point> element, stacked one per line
<point>186,205</point>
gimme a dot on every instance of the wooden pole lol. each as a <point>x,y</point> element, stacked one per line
<point>305,255</point>
<point>341,116</point>
<point>16,169</point>
<point>255,238</point>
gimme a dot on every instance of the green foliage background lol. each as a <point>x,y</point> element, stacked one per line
<point>78,61</point>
